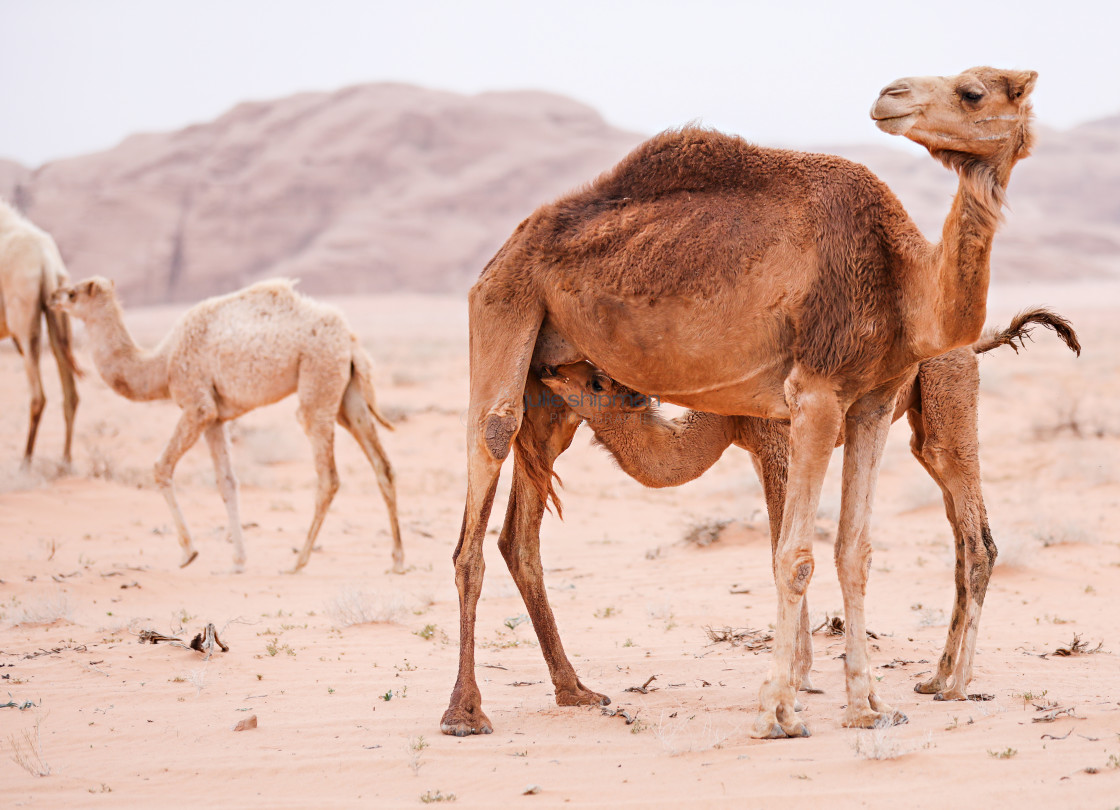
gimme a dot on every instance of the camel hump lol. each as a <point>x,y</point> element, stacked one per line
<point>687,159</point>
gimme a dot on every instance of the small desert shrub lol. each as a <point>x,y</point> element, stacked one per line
<point>44,611</point>
<point>355,605</point>
<point>879,743</point>
<point>705,532</point>
<point>27,751</point>
<point>682,735</point>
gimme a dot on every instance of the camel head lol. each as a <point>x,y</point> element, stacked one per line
<point>81,299</point>
<point>591,393</point>
<point>983,114</point>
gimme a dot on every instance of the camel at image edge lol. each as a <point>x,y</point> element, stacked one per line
<point>228,355</point>
<point>742,281</point>
<point>31,269</point>
<point>941,404</point>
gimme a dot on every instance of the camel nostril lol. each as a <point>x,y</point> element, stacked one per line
<point>895,89</point>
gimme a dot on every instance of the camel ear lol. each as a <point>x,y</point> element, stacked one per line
<point>88,287</point>
<point>1020,83</point>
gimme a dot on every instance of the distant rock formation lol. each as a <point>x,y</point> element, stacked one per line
<point>388,187</point>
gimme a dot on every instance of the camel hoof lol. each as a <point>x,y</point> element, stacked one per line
<point>238,568</point>
<point>398,568</point>
<point>582,697</point>
<point>458,723</point>
<point>951,694</point>
<point>798,706</point>
<point>773,733</point>
<point>776,731</point>
<point>873,719</point>
<point>930,687</point>
<point>188,559</point>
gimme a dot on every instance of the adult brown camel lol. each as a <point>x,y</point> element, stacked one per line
<point>736,280</point>
<point>941,405</point>
<point>31,269</point>
<point>229,355</point>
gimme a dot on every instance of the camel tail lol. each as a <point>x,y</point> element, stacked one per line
<point>361,370</point>
<point>1020,330</point>
<point>58,325</point>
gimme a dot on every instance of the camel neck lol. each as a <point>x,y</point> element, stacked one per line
<point>132,372</point>
<point>966,249</point>
<point>954,279</point>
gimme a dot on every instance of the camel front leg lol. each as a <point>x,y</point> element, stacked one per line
<point>868,422</point>
<point>814,426</point>
<point>546,432</point>
<point>191,424</point>
<point>768,443</point>
<point>217,437</point>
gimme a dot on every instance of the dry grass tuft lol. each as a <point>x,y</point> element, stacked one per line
<point>355,605</point>
<point>681,735</point>
<point>745,637</point>
<point>27,751</point>
<point>47,610</point>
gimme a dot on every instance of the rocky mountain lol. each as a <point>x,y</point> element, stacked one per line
<point>388,187</point>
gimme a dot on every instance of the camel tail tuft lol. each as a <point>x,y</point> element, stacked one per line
<point>1020,330</point>
<point>361,370</point>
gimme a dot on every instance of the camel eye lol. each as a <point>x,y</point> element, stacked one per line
<point>971,95</point>
<point>596,386</point>
<point>73,295</point>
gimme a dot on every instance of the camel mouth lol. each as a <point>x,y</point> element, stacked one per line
<point>895,124</point>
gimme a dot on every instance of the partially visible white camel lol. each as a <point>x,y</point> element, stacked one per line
<point>31,269</point>
<point>229,355</point>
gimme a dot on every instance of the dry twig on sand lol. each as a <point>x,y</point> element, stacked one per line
<point>746,637</point>
<point>1075,647</point>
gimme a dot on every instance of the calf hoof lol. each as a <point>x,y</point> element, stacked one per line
<point>188,558</point>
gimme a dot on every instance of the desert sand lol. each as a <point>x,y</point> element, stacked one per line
<point>347,668</point>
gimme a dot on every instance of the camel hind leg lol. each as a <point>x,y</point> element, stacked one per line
<point>30,348</point>
<point>502,338</point>
<point>58,331</point>
<point>546,431</point>
<point>945,443</point>
<point>356,417</point>
<point>217,437</point>
<point>320,393</point>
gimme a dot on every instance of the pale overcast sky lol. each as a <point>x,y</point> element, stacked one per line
<point>78,75</point>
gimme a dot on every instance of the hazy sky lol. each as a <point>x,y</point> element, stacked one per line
<point>78,75</point>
